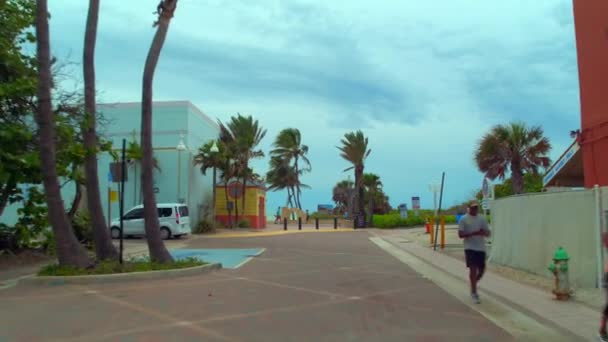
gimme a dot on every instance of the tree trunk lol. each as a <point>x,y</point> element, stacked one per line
<point>156,246</point>
<point>75,201</point>
<point>371,210</point>
<point>104,249</point>
<point>244,192</point>
<point>517,178</point>
<point>227,203</point>
<point>298,191</point>
<point>69,251</point>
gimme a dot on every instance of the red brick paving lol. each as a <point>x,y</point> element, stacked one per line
<point>305,287</point>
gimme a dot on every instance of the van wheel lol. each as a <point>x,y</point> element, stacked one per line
<point>115,232</point>
<point>165,233</point>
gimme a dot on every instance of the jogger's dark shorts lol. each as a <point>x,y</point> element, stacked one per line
<point>475,258</point>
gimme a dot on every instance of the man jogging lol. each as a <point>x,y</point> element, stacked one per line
<point>474,230</point>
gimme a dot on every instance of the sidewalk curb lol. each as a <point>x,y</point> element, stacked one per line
<point>119,277</point>
<point>277,233</point>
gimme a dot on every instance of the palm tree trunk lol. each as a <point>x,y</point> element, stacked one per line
<point>517,177</point>
<point>69,250</point>
<point>104,249</point>
<point>156,246</point>
<point>75,201</point>
<point>298,191</point>
<point>227,203</point>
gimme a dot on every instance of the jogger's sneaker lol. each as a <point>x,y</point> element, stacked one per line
<point>475,298</point>
<point>602,337</point>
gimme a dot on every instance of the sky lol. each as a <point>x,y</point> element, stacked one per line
<point>424,80</point>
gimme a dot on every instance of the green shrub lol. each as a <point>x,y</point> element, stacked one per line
<point>83,228</point>
<point>203,227</point>
<point>112,267</point>
<point>244,223</point>
<point>394,220</point>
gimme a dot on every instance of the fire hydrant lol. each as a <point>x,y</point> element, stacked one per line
<point>559,268</point>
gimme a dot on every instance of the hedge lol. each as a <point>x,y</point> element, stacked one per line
<point>395,221</point>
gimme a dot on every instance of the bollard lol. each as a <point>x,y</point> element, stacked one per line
<point>285,223</point>
<point>299,223</point>
<point>355,219</point>
<point>432,233</point>
<point>335,223</point>
<point>317,223</point>
<point>442,236</point>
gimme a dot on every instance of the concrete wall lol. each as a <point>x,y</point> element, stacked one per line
<point>527,230</point>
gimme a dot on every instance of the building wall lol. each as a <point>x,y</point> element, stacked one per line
<point>527,229</point>
<point>590,19</point>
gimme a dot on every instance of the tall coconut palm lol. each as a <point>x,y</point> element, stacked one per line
<point>373,185</point>
<point>288,146</point>
<point>158,251</point>
<point>513,147</point>
<point>283,176</point>
<point>207,159</point>
<point>104,249</point>
<point>246,134</point>
<point>69,250</point>
<point>354,150</point>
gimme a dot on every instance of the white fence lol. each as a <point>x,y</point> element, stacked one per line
<point>527,229</point>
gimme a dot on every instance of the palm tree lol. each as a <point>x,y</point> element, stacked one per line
<point>69,250</point>
<point>288,146</point>
<point>372,185</point>
<point>208,159</point>
<point>158,251</point>
<point>513,147</point>
<point>354,150</point>
<point>104,249</point>
<point>245,135</point>
<point>283,176</point>
<point>342,195</point>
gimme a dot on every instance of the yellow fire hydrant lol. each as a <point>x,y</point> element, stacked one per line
<point>559,268</point>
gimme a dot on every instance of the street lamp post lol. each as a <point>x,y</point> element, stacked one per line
<point>181,146</point>
<point>214,150</point>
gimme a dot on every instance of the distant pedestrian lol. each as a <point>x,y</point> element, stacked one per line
<point>307,216</point>
<point>473,229</point>
<point>603,335</point>
<point>277,216</point>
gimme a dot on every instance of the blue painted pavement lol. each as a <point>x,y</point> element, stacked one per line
<point>228,257</point>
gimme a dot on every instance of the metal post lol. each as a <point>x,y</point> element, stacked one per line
<point>109,205</point>
<point>439,210</point>
<point>442,241</point>
<point>122,197</point>
<point>317,223</point>
<point>179,175</point>
<point>335,223</point>
<point>299,223</point>
<point>285,223</point>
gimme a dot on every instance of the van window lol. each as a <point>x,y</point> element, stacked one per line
<point>165,212</point>
<point>135,214</point>
<point>183,211</point>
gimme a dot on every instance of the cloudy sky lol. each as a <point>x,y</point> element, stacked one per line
<point>423,79</point>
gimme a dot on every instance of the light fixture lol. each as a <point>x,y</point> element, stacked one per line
<point>181,146</point>
<point>214,148</point>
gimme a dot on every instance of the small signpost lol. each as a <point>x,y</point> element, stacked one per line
<point>403,210</point>
<point>416,204</point>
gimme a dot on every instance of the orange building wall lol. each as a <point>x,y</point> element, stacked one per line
<point>591,27</point>
<point>253,213</point>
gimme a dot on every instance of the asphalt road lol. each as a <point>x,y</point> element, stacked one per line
<point>304,287</point>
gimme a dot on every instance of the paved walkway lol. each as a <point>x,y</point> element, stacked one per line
<point>574,317</point>
<point>304,287</point>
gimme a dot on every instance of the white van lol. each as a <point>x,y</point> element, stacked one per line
<point>173,217</point>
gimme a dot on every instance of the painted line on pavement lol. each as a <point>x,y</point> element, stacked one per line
<point>517,324</point>
<point>250,258</point>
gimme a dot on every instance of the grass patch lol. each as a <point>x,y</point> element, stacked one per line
<point>114,267</point>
